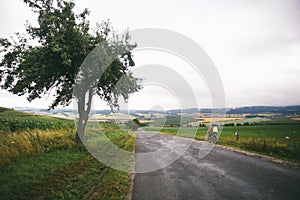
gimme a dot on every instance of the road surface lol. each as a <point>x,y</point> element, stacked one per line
<point>222,174</point>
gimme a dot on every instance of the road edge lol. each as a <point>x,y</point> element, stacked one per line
<point>264,157</point>
<point>132,174</point>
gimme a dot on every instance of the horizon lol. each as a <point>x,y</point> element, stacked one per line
<point>203,108</point>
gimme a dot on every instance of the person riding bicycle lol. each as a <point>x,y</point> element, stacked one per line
<point>212,134</point>
<point>215,130</point>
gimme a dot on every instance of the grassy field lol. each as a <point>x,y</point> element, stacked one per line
<point>47,164</point>
<point>12,121</point>
<point>265,139</point>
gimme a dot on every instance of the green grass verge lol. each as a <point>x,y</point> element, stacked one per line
<point>21,178</point>
<point>62,174</point>
<point>67,173</point>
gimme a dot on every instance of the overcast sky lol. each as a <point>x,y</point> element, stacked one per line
<point>254,44</point>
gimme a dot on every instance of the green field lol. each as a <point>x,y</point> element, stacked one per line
<point>173,121</point>
<point>45,163</point>
<point>12,121</point>
<point>265,139</point>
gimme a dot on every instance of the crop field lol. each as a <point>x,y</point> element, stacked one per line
<point>12,121</point>
<point>218,119</point>
<point>257,120</point>
<point>45,163</point>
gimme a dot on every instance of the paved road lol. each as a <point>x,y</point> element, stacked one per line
<point>222,174</point>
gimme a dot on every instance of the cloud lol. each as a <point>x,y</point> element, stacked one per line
<point>255,44</point>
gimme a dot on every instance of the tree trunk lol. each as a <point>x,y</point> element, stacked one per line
<point>83,110</point>
<point>81,129</point>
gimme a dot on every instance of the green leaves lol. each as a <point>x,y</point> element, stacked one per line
<point>55,63</point>
<point>64,41</point>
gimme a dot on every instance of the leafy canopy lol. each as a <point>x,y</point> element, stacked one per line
<point>63,40</point>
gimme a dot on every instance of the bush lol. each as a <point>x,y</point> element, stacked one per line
<point>132,124</point>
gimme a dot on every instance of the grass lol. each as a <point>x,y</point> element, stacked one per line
<point>47,164</point>
<point>30,143</point>
<point>265,139</point>
<point>62,174</point>
<point>108,144</point>
<point>22,177</point>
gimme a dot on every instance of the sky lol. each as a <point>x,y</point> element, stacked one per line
<point>254,45</point>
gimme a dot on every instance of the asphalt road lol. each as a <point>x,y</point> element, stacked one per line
<point>222,174</point>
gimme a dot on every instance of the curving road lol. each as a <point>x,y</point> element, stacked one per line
<point>222,174</point>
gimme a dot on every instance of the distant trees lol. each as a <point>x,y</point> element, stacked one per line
<point>229,124</point>
<point>246,124</point>
<point>243,124</point>
<point>134,124</point>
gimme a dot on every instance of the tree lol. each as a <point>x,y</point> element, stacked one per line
<point>132,124</point>
<point>64,40</point>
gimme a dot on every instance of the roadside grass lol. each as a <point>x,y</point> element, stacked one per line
<point>111,145</point>
<point>30,143</point>
<point>62,174</point>
<point>19,179</point>
<point>264,139</point>
<point>46,164</point>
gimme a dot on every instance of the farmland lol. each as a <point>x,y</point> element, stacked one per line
<point>12,121</point>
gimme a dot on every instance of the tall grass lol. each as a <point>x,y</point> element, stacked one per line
<point>63,173</point>
<point>268,146</point>
<point>33,142</point>
<point>23,134</point>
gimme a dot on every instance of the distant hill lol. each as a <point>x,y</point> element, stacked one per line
<point>68,113</point>
<point>266,109</point>
<point>12,114</point>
